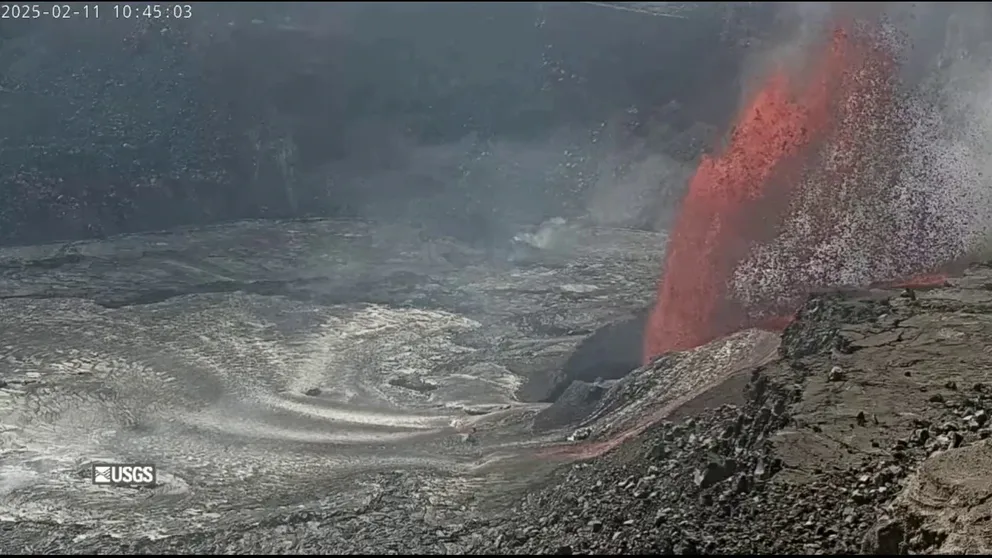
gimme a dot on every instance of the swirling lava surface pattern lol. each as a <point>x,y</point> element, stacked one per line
<point>262,366</point>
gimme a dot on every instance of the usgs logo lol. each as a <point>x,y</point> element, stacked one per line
<point>124,474</point>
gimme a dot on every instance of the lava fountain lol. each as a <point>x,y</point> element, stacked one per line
<point>812,158</point>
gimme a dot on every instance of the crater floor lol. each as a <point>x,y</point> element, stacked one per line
<point>270,368</point>
<point>335,387</point>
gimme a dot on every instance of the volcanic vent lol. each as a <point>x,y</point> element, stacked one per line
<point>811,191</point>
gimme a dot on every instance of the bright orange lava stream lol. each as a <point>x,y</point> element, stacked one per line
<point>742,196</point>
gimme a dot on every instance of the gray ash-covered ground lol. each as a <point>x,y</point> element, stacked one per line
<point>862,429</point>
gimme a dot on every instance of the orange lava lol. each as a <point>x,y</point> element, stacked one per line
<point>921,282</point>
<point>741,197</point>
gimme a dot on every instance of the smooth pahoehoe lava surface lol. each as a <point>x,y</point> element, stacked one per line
<point>273,368</point>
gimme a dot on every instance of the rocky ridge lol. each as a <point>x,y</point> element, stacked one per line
<point>867,435</point>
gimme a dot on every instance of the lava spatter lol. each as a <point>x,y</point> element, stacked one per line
<point>822,147</point>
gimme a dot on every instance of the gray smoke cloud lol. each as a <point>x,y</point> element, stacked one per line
<point>471,118</point>
<point>947,71</point>
<point>957,129</point>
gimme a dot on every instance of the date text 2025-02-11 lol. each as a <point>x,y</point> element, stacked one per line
<point>96,11</point>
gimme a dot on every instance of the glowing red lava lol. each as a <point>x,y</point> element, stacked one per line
<point>817,135</point>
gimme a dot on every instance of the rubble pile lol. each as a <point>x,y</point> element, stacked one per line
<point>871,389</point>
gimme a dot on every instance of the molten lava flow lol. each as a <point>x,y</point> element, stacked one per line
<point>827,141</point>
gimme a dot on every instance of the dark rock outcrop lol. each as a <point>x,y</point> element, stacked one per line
<point>610,353</point>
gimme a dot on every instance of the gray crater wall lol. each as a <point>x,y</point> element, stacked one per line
<point>113,125</point>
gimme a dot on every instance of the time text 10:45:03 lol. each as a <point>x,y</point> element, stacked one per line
<point>96,11</point>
